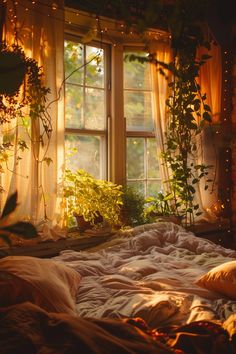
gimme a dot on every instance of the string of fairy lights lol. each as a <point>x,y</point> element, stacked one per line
<point>113,31</point>
<point>226,127</point>
<point>110,29</point>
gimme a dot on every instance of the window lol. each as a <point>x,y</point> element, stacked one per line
<point>142,165</point>
<point>86,106</point>
<point>107,147</point>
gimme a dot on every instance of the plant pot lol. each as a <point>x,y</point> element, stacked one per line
<point>12,72</point>
<point>83,225</point>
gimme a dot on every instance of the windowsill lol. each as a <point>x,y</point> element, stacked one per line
<point>218,232</point>
<point>203,228</point>
<point>47,249</point>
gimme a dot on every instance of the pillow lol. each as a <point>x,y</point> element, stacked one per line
<point>221,279</point>
<point>46,283</point>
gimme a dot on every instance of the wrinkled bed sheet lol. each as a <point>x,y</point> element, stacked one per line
<point>27,328</point>
<point>150,273</point>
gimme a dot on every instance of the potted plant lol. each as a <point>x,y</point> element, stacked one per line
<point>13,68</point>
<point>93,199</point>
<point>132,209</point>
<point>161,207</point>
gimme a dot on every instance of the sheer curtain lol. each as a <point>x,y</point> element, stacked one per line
<point>40,32</point>
<point>163,54</point>
<point>210,82</point>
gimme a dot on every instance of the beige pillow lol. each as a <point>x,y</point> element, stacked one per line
<point>221,279</point>
<point>46,283</point>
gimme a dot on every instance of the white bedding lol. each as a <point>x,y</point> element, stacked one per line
<point>151,274</point>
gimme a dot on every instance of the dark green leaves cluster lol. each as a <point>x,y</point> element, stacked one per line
<point>188,113</point>
<point>21,229</point>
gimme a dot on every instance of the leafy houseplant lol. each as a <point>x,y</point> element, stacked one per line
<point>90,197</point>
<point>21,229</point>
<point>160,205</point>
<point>132,209</point>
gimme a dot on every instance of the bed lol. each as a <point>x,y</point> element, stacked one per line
<point>155,282</point>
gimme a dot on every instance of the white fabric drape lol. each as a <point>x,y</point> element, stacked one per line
<point>163,54</point>
<point>40,32</point>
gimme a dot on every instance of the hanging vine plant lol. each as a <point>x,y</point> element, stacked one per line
<point>19,71</point>
<point>23,97</point>
<point>187,112</point>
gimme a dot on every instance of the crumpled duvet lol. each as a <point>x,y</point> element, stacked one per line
<point>26,328</point>
<point>151,274</point>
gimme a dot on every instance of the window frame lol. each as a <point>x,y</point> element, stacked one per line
<point>116,134</point>
<point>103,134</point>
<point>145,134</point>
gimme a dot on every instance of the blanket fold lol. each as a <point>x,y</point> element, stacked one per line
<point>26,328</point>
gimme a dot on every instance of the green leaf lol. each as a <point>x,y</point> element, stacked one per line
<point>191,189</point>
<point>207,116</point>
<point>22,229</point>
<point>196,106</point>
<point>48,160</point>
<point>207,108</point>
<point>206,56</point>
<point>10,205</point>
<point>6,239</point>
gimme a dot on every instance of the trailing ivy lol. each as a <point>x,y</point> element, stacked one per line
<point>187,110</point>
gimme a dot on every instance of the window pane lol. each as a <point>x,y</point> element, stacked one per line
<point>135,158</point>
<point>138,186</point>
<point>73,58</point>
<point>138,111</point>
<point>153,167</point>
<point>136,74</point>
<point>74,106</point>
<point>95,109</point>
<point>95,69</point>
<point>153,188</point>
<point>88,155</point>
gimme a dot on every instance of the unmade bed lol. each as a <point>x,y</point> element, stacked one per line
<point>158,273</point>
<point>151,273</point>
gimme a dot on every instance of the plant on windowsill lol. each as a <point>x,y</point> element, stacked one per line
<point>133,205</point>
<point>161,207</point>
<point>93,199</point>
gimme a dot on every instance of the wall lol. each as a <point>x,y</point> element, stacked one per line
<point>234,133</point>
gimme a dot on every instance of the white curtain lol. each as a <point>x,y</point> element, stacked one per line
<point>163,54</point>
<point>40,32</point>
